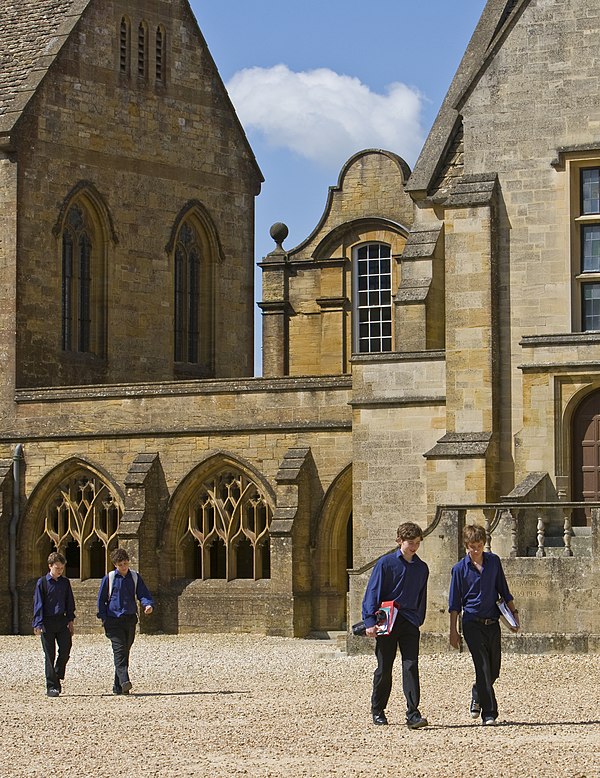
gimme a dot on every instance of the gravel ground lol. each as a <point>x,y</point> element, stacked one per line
<point>242,705</point>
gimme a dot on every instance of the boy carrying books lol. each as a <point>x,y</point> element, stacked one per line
<point>402,577</point>
<point>477,582</point>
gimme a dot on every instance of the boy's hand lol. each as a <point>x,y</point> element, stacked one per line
<point>71,627</point>
<point>37,631</point>
<point>148,610</point>
<point>455,638</point>
<point>371,632</point>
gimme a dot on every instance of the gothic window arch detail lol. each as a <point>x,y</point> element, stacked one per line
<point>195,249</point>
<point>225,530</point>
<point>83,256</point>
<point>81,520</point>
<point>372,298</point>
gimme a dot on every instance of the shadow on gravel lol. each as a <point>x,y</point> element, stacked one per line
<point>156,694</point>
<point>181,694</point>
<point>585,723</point>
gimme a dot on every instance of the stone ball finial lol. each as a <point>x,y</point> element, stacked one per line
<point>279,233</point>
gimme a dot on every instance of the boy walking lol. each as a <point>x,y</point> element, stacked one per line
<point>53,616</point>
<point>477,582</point>
<point>117,609</point>
<point>402,577</point>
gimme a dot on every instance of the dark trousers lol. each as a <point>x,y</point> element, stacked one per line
<point>121,633</point>
<point>406,636</point>
<point>56,633</point>
<point>483,641</point>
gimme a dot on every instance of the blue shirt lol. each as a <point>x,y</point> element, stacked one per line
<point>122,599</point>
<point>476,593</point>
<point>58,600</point>
<point>393,578</point>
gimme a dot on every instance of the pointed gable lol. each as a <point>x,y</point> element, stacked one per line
<point>33,32</point>
<point>495,21</point>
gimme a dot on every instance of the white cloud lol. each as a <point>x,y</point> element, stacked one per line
<point>325,116</point>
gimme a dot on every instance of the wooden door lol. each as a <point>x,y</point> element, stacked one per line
<point>586,454</point>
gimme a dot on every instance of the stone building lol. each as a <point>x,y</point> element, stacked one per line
<point>430,352</point>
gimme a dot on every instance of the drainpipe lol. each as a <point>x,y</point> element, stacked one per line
<point>12,536</point>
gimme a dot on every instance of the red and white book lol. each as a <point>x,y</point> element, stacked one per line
<point>385,624</point>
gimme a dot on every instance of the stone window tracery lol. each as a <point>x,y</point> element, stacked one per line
<point>81,520</point>
<point>226,530</point>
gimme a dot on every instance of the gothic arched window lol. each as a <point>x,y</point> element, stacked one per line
<point>79,261</point>
<point>81,520</point>
<point>193,303</point>
<point>225,530</point>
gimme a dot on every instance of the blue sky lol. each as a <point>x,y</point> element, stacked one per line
<point>315,81</point>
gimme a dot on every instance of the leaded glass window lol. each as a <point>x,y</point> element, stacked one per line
<point>587,222</point>
<point>187,295</point>
<point>373,298</point>
<point>77,250</point>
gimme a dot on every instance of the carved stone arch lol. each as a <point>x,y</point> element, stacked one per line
<point>90,513</point>
<point>353,233</point>
<point>87,192</point>
<point>222,503</point>
<point>331,538</point>
<point>197,211</point>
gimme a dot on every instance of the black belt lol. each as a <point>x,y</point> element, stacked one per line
<point>487,622</point>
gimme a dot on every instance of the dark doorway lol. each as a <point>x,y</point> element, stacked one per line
<point>586,455</point>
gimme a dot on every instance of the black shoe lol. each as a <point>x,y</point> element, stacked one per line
<point>474,709</point>
<point>380,719</point>
<point>417,723</point>
<point>126,686</point>
<point>489,721</point>
<point>52,693</point>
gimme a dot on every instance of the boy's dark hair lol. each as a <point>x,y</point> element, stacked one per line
<point>56,558</point>
<point>409,531</point>
<point>474,533</point>
<point>119,555</point>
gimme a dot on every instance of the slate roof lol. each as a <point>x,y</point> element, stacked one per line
<point>32,34</point>
<point>496,21</point>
